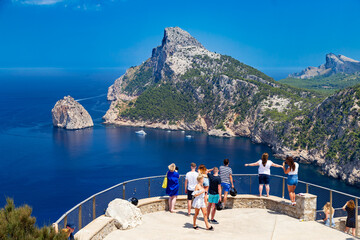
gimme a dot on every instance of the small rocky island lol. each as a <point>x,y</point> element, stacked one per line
<point>69,114</point>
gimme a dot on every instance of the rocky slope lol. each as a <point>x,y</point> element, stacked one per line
<point>334,64</point>
<point>69,114</point>
<point>185,86</point>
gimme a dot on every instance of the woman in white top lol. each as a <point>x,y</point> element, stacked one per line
<point>292,179</point>
<point>264,172</point>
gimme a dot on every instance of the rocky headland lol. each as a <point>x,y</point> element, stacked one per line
<point>69,114</point>
<point>186,87</point>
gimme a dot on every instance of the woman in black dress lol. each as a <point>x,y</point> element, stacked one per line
<point>349,207</point>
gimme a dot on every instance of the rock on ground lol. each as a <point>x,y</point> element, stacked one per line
<point>69,114</point>
<point>125,213</point>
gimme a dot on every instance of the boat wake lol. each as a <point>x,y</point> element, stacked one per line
<point>83,99</point>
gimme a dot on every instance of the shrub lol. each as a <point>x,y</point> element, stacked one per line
<point>18,224</point>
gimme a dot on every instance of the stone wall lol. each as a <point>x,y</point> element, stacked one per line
<point>98,229</point>
<point>305,205</point>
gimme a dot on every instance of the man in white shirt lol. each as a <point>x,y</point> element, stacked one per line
<point>190,184</point>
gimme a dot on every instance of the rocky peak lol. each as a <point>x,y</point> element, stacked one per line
<point>174,55</point>
<point>176,37</point>
<point>333,64</point>
<point>341,63</point>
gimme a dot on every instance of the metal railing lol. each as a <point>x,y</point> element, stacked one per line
<point>86,211</point>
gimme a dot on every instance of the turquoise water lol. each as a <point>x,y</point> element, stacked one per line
<point>53,169</point>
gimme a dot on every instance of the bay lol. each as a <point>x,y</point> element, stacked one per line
<point>53,169</point>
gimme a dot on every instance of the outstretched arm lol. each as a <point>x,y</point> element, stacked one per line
<point>252,164</point>
<point>276,165</point>
<point>209,170</point>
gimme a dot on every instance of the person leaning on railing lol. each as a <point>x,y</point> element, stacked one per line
<point>292,179</point>
<point>172,188</point>
<point>349,207</point>
<point>328,210</point>
<point>264,172</point>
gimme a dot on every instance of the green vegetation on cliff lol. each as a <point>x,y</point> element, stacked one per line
<point>162,103</point>
<point>140,80</point>
<point>324,84</point>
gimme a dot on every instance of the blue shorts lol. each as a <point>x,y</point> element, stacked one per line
<point>213,198</point>
<point>292,180</point>
<point>225,187</point>
<point>264,179</point>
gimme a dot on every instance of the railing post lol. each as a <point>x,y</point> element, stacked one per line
<point>149,187</point>
<point>65,221</point>
<point>283,188</point>
<point>124,191</point>
<point>250,184</point>
<point>331,205</point>
<point>94,208</point>
<point>307,188</point>
<point>80,216</point>
<point>356,217</point>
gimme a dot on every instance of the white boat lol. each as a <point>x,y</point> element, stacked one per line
<point>188,136</point>
<point>183,131</point>
<point>168,131</point>
<point>141,132</point>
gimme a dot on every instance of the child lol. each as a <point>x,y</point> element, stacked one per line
<point>199,202</point>
<point>329,211</point>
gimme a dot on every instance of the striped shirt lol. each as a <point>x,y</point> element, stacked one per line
<point>225,173</point>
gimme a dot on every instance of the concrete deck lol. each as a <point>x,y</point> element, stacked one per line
<point>233,224</point>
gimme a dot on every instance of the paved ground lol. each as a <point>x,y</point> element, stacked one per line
<point>249,224</point>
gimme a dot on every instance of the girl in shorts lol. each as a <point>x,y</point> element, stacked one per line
<point>292,179</point>
<point>199,202</point>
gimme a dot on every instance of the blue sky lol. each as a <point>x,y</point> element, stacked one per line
<point>271,35</point>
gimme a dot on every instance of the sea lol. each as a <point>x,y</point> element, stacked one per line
<point>53,169</point>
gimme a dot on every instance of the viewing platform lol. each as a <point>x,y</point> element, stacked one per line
<point>247,215</point>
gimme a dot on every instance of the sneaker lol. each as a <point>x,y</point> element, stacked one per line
<point>213,221</point>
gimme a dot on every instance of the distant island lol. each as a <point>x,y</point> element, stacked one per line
<point>338,72</point>
<point>186,87</point>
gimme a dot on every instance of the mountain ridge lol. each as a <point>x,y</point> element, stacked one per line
<point>183,86</point>
<point>333,64</point>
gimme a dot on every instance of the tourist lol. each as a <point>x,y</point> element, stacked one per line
<point>199,202</point>
<point>172,188</point>
<point>329,211</point>
<point>69,231</point>
<point>214,191</point>
<point>349,207</point>
<point>190,184</point>
<point>226,179</point>
<point>264,172</point>
<point>292,179</point>
<point>203,171</point>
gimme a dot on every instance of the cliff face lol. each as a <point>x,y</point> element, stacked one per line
<point>69,114</point>
<point>185,86</point>
<point>334,64</point>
